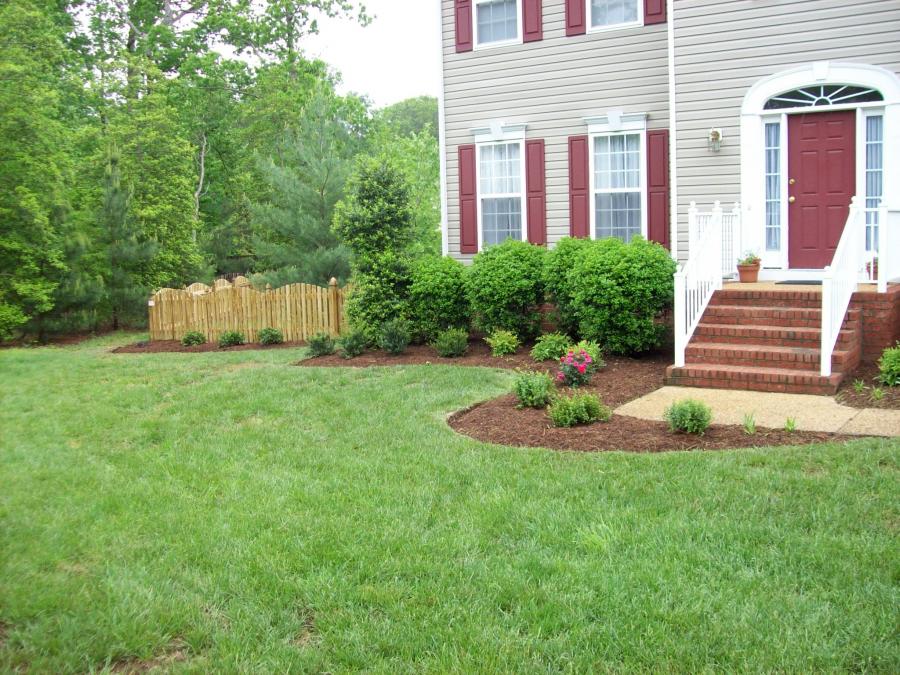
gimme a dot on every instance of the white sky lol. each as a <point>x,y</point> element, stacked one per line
<point>395,57</point>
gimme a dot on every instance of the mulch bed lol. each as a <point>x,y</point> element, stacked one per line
<point>479,354</point>
<point>868,372</point>
<point>162,346</point>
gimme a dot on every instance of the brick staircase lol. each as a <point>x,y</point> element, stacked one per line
<point>766,341</point>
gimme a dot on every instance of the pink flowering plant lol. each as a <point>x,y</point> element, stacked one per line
<point>576,368</point>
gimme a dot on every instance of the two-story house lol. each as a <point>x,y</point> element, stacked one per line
<point>609,118</point>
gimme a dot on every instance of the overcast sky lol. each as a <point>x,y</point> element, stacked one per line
<point>396,57</point>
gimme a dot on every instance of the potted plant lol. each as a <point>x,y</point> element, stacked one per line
<point>748,268</point>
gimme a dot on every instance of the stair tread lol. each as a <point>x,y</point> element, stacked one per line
<point>791,374</point>
<point>773,349</point>
<point>774,308</point>
<point>766,326</point>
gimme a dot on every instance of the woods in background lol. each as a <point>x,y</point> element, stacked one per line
<point>155,143</point>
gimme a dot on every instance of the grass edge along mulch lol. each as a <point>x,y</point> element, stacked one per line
<point>174,346</point>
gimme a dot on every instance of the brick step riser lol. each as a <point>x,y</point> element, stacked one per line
<point>701,337</point>
<point>837,365</point>
<point>767,302</point>
<point>779,387</point>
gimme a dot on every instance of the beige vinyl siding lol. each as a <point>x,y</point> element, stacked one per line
<point>722,47</point>
<point>551,85</point>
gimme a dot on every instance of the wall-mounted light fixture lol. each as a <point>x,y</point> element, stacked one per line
<point>715,139</point>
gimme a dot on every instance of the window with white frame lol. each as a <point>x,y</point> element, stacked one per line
<point>496,21</point>
<point>618,185</point>
<point>773,186</point>
<point>610,13</point>
<point>501,183</point>
<point>874,177</point>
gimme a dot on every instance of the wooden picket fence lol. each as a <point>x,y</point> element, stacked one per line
<point>297,310</point>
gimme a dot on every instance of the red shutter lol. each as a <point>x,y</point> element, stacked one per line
<point>579,187</point>
<point>532,20</point>
<point>468,201</point>
<point>654,11</point>
<point>536,192</point>
<point>464,25</point>
<point>658,186</point>
<point>576,20</point>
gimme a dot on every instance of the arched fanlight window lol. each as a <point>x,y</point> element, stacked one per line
<point>823,95</point>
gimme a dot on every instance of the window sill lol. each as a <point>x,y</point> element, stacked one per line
<point>494,45</point>
<point>614,27</point>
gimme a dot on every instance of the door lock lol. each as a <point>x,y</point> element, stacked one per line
<point>792,199</point>
<point>792,181</point>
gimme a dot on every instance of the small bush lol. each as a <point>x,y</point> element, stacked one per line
<point>550,347</point>
<point>193,338</point>
<point>689,416</point>
<point>533,390</point>
<point>451,343</point>
<point>889,365</point>
<point>321,344</point>
<point>790,425</point>
<point>437,297</point>
<point>394,337</point>
<point>560,290</point>
<point>750,424</point>
<point>592,348</point>
<point>353,344</point>
<point>578,409</point>
<point>502,343</point>
<point>576,369</point>
<point>231,338</point>
<point>271,336</point>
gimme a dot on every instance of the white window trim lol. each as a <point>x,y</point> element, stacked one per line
<point>597,130</point>
<point>479,196</point>
<point>478,46</point>
<point>615,26</point>
<point>861,163</point>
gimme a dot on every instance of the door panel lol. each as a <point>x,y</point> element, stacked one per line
<point>822,162</point>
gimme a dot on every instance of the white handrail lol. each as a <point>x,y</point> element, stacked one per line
<point>889,246</point>
<point>841,280</point>
<point>699,277</point>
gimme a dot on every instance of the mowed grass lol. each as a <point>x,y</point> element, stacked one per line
<point>232,512</point>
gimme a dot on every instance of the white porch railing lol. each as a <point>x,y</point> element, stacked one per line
<point>888,267</point>
<point>698,222</point>
<point>699,277</point>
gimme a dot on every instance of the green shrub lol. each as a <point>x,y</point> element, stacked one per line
<point>231,338</point>
<point>505,288</point>
<point>550,347</point>
<point>437,297</point>
<point>569,411</point>
<point>533,390</point>
<point>592,348</point>
<point>394,336</point>
<point>619,292</point>
<point>502,342</point>
<point>353,344</point>
<point>689,416</point>
<point>451,343</point>
<point>560,292</point>
<point>271,336</point>
<point>379,293</point>
<point>193,338</point>
<point>321,344</point>
<point>889,367</point>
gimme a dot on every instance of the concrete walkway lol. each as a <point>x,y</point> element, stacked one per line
<point>812,413</point>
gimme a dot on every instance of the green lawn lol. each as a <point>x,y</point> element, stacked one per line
<point>265,518</point>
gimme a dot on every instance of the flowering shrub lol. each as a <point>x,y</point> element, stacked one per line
<point>576,368</point>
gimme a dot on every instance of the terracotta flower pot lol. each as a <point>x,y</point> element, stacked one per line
<point>749,274</point>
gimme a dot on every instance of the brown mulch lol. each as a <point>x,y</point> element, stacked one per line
<point>868,373</point>
<point>162,346</point>
<point>479,354</point>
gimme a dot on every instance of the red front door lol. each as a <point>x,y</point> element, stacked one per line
<point>821,183</point>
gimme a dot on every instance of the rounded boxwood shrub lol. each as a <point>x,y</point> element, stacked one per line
<point>437,297</point>
<point>689,416</point>
<point>353,344</point>
<point>505,288</point>
<point>394,337</point>
<point>502,343</point>
<point>559,260</point>
<point>620,290</point>
<point>270,336</point>
<point>321,344</point>
<point>533,390</point>
<point>569,411</point>
<point>193,338</point>
<point>231,338</point>
<point>451,343</point>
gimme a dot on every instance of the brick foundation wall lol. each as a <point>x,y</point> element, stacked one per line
<point>880,320</point>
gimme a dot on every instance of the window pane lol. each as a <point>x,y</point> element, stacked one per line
<point>501,219</point>
<point>497,21</point>
<point>773,186</point>
<point>618,215</point>
<point>612,12</point>
<point>500,169</point>
<point>874,177</point>
<point>617,162</point>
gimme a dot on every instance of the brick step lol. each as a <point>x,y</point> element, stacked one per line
<point>786,358</point>
<point>808,299</point>
<point>800,317</point>
<point>752,334</point>
<point>754,378</point>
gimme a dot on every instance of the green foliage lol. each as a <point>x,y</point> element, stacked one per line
<point>412,117</point>
<point>394,337</point>
<point>321,344</point>
<point>889,367</point>
<point>560,291</point>
<point>859,386</point>
<point>533,390</point>
<point>193,338</point>
<point>353,344</point>
<point>231,338</point>
<point>592,348</point>
<point>570,411</point>
<point>437,297</point>
<point>749,424</point>
<point>790,425</point>
<point>620,290</point>
<point>877,394</point>
<point>689,416</point>
<point>576,368</point>
<point>502,342</point>
<point>271,336</point>
<point>379,293</point>
<point>451,343</point>
<point>550,347</point>
<point>505,288</point>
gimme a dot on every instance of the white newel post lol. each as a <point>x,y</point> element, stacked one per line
<point>680,317</point>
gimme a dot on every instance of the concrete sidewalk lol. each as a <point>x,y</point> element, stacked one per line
<point>811,413</point>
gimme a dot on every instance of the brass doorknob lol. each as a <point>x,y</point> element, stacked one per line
<point>792,181</point>
<point>792,199</point>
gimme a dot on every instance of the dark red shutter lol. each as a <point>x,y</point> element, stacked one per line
<point>576,19</point>
<point>536,192</point>
<point>464,39</point>
<point>532,20</point>
<point>654,11</point>
<point>468,201</point>
<point>579,187</point>
<point>658,186</point>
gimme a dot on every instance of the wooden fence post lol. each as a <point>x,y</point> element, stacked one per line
<point>334,309</point>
